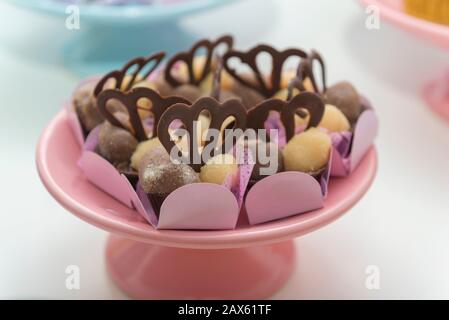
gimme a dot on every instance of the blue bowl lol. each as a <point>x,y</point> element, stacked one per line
<point>131,15</point>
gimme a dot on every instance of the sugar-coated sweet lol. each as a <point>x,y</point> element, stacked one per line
<point>219,168</point>
<point>307,152</point>
<point>116,144</point>
<point>143,148</point>
<point>345,97</point>
<point>85,105</point>
<point>159,176</point>
<point>334,120</point>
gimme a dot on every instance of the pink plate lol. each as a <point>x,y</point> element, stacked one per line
<point>258,259</point>
<point>392,10</point>
<point>436,93</point>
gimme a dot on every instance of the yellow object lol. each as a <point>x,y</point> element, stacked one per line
<point>142,149</point>
<point>289,75</point>
<point>307,152</point>
<point>334,120</point>
<point>432,10</point>
<point>218,168</point>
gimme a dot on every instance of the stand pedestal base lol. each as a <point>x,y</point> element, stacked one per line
<point>436,95</point>
<point>145,271</point>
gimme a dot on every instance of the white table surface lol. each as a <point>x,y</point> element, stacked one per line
<point>401,226</point>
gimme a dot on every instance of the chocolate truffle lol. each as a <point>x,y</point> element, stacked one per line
<point>334,120</point>
<point>163,87</point>
<point>86,106</point>
<point>159,176</point>
<point>116,144</point>
<point>267,157</point>
<point>189,92</point>
<point>217,169</point>
<point>345,97</point>
<point>307,152</point>
<point>226,95</point>
<point>143,148</point>
<point>250,97</point>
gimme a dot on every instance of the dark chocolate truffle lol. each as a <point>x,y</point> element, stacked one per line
<point>250,97</point>
<point>86,107</point>
<point>344,96</point>
<point>163,87</point>
<point>189,92</point>
<point>226,95</point>
<point>159,176</point>
<point>116,144</point>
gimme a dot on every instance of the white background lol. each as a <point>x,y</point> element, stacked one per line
<point>401,225</point>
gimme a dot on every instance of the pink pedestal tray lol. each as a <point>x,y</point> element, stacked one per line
<point>250,262</point>
<point>435,93</point>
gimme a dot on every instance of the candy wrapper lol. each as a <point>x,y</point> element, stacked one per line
<point>351,147</point>
<point>199,206</point>
<point>287,193</point>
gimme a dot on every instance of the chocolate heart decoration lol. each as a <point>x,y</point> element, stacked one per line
<point>138,63</point>
<point>258,115</point>
<point>250,58</point>
<point>219,112</point>
<point>305,70</point>
<point>130,100</point>
<point>188,58</point>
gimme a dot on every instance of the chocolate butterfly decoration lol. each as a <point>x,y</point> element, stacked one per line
<point>139,63</point>
<point>250,59</point>
<point>219,112</point>
<point>130,100</point>
<point>305,70</point>
<point>188,58</point>
<point>258,115</point>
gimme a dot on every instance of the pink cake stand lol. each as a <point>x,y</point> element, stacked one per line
<point>436,92</point>
<point>250,262</point>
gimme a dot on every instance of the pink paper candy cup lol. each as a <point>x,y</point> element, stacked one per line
<point>198,206</point>
<point>350,148</point>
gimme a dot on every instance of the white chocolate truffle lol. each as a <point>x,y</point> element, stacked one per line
<point>218,168</point>
<point>307,152</point>
<point>334,120</point>
<point>142,149</point>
